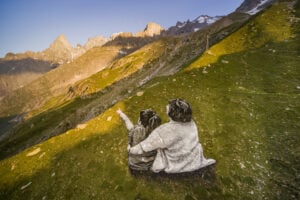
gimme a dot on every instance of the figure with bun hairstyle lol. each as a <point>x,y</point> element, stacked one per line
<point>176,142</point>
<point>148,121</point>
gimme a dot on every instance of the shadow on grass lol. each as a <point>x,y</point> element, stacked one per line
<point>6,123</point>
<point>40,128</point>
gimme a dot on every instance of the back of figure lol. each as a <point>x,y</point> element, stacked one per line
<point>143,161</point>
<point>148,121</point>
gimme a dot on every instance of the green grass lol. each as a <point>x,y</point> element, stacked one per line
<point>247,111</point>
<point>254,34</point>
<point>123,68</point>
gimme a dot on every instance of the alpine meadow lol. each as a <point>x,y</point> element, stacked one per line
<point>240,74</point>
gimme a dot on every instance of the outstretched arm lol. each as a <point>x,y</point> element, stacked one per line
<point>128,123</point>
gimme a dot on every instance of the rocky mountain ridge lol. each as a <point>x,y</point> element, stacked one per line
<point>59,51</point>
<point>192,26</point>
<point>17,70</point>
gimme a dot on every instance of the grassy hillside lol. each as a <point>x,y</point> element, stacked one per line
<point>246,106</point>
<point>57,81</point>
<point>89,97</point>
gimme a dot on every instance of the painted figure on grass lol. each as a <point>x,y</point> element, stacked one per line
<point>148,121</point>
<point>176,142</point>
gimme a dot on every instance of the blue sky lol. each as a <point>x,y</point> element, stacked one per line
<point>34,24</point>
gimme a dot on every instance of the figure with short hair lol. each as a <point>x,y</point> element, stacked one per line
<point>148,121</point>
<point>176,142</point>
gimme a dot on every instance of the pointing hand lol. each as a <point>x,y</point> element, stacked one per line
<point>119,111</point>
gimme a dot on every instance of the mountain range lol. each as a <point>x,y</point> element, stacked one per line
<point>17,70</point>
<point>69,77</point>
<point>62,139</point>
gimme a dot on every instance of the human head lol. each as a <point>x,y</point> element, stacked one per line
<point>179,110</point>
<point>149,119</point>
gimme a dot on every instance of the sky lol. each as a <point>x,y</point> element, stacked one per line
<point>35,24</point>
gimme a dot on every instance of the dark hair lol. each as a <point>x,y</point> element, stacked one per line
<point>149,119</point>
<point>180,110</point>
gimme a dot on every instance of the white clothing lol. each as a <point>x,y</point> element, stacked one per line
<point>178,148</point>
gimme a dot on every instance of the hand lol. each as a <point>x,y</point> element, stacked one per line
<point>119,111</point>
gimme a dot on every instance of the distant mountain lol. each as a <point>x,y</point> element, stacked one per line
<point>250,7</point>
<point>192,26</point>
<point>17,70</point>
<point>60,50</point>
<point>95,41</point>
<point>152,29</point>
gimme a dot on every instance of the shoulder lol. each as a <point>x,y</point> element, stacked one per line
<point>164,130</point>
<point>163,127</point>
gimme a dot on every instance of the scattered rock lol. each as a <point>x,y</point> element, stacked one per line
<point>25,186</point>
<point>53,174</point>
<point>114,101</point>
<point>141,93</point>
<point>42,155</point>
<point>122,52</point>
<point>109,118</point>
<point>12,167</point>
<point>117,186</point>
<point>81,126</point>
<point>242,166</point>
<point>225,61</point>
<point>174,80</point>
<point>34,152</point>
<point>210,53</point>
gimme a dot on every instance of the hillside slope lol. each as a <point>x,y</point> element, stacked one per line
<point>246,106</point>
<point>18,73</point>
<point>87,98</point>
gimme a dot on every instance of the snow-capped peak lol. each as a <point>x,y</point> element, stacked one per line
<point>206,19</point>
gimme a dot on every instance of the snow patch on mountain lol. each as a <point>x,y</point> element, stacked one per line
<point>206,19</point>
<point>258,8</point>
